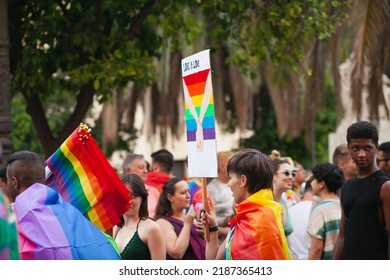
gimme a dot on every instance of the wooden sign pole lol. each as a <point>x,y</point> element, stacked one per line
<point>206,207</point>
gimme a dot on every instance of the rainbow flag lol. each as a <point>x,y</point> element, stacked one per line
<point>258,230</point>
<point>8,233</point>
<point>5,244</point>
<point>80,172</point>
<point>197,195</point>
<point>50,228</point>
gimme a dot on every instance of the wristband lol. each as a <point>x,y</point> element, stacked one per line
<point>212,229</point>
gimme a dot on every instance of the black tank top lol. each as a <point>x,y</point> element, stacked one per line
<point>365,232</point>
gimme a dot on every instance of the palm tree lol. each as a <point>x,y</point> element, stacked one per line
<point>371,20</point>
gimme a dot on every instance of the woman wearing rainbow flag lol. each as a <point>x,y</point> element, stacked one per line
<point>256,233</point>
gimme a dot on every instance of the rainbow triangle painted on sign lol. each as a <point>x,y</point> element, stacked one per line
<point>195,84</point>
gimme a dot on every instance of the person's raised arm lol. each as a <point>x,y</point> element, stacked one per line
<point>176,246</point>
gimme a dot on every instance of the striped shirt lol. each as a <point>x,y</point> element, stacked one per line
<point>324,224</point>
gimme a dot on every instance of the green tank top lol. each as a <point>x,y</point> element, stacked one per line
<point>136,249</point>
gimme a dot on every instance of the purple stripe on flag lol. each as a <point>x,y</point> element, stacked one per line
<point>208,134</point>
<point>34,218</point>
<point>3,211</point>
<point>57,183</point>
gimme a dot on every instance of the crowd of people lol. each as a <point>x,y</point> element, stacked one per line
<point>262,207</point>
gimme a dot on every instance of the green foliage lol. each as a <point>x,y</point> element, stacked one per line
<point>65,45</point>
<point>23,135</point>
<point>275,30</point>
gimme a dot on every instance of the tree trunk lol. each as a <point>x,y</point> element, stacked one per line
<point>5,95</point>
<point>51,143</point>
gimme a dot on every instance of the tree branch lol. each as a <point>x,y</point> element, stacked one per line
<point>135,27</point>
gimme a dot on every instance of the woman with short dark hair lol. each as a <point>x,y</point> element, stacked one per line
<point>256,233</point>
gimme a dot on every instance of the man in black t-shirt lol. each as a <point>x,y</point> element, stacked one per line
<point>365,200</point>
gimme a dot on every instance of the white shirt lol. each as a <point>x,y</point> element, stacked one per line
<point>299,239</point>
<point>223,199</point>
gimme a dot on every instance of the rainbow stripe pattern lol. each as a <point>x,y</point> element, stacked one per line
<point>197,195</point>
<point>50,228</point>
<point>196,84</point>
<point>257,231</point>
<point>8,234</point>
<point>5,245</point>
<point>80,172</point>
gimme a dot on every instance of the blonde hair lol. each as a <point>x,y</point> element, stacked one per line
<point>275,155</point>
<point>224,156</point>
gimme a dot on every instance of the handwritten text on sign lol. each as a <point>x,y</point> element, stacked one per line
<point>191,65</point>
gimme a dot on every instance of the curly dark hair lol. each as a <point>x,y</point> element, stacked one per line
<point>362,129</point>
<point>330,174</point>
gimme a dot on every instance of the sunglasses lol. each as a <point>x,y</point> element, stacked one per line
<point>288,173</point>
<point>383,159</point>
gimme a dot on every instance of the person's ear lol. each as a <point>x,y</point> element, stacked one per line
<point>223,166</point>
<point>15,183</point>
<point>155,167</point>
<point>243,180</point>
<point>170,197</point>
<point>322,184</point>
<point>128,170</point>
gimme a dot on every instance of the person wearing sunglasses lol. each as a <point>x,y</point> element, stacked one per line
<point>383,157</point>
<point>282,181</point>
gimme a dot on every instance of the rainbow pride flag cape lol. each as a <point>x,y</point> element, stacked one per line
<point>8,233</point>
<point>258,230</point>
<point>80,172</point>
<point>50,228</point>
<point>5,245</point>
